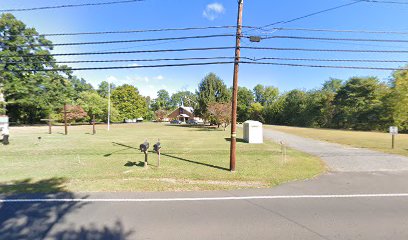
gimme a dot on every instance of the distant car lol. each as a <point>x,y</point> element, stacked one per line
<point>192,122</point>
<point>175,121</point>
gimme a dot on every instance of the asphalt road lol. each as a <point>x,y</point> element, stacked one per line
<point>333,206</point>
<point>345,204</point>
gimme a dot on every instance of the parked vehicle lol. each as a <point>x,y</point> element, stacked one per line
<point>175,121</point>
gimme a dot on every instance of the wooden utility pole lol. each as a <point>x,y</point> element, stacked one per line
<point>65,119</point>
<point>233,149</point>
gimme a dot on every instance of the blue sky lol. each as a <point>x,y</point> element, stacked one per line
<point>189,13</point>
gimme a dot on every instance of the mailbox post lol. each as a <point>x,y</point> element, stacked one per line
<point>156,148</point>
<point>144,148</point>
<point>393,132</point>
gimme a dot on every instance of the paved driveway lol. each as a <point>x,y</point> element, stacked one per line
<point>341,158</point>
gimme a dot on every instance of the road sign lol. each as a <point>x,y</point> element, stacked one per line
<point>394,130</point>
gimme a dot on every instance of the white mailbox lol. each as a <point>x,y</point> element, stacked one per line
<point>253,132</point>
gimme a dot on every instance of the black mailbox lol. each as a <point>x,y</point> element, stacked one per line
<point>156,147</point>
<point>144,146</point>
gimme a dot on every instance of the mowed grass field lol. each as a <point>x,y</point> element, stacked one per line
<point>373,140</point>
<point>192,159</point>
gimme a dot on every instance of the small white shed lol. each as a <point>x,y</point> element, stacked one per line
<point>253,132</point>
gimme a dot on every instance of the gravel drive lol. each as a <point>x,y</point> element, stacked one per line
<point>341,158</point>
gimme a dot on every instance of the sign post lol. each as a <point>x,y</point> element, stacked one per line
<point>393,132</point>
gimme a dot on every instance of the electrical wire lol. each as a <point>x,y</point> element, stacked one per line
<point>69,6</point>
<point>326,50</point>
<point>338,39</point>
<point>119,52</point>
<point>327,60</point>
<point>339,31</point>
<point>388,2</point>
<point>120,67</point>
<point>131,40</point>
<point>326,66</point>
<point>130,60</point>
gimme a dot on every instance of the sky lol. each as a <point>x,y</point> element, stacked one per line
<point>154,14</point>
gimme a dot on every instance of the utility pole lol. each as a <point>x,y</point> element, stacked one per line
<point>233,156</point>
<point>109,105</point>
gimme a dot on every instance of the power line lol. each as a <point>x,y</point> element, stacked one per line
<point>120,52</point>
<point>339,39</point>
<point>309,15</point>
<point>326,66</point>
<point>388,2</point>
<point>131,40</point>
<point>121,67</point>
<point>131,60</point>
<point>339,31</point>
<point>133,31</point>
<point>327,60</point>
<point>69,6</point>
<point>326,50</point>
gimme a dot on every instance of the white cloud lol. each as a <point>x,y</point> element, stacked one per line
<point>213,11</point>
<point>160,77</point>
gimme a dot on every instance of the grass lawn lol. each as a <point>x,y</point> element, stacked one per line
<point>192,159</point>
<point>373,140</point>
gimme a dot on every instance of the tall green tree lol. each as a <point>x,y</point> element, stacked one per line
<point>398,100</point>
<point>130,104</point>
<point>210,90</point>
<point>245,100</point>
<point>162,101</point>
<point>103,88</point>
<point>360,103</point>
<point>265,94</point>
<point>96,105</point>
<point>30,94</point>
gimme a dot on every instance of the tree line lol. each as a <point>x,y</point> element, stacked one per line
<point>361,103</point>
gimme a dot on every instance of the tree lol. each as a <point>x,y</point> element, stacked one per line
<point>332,85</point>
<point>265,94</point>
<point>162,101</point>
<point>30,95</point>
<point>127,100</point>
<point>75,113</point>
<point>397,101</point>
<point>185,98</point>
<point>80,85</point>
<point>360,103</point>
<point>221,113</point>
<point>256,111</point>
<point>211,90</point>
<point>103,88</point>
<point>245,100</point>
<point>94,104</point>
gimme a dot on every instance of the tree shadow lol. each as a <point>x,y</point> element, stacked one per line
<point>33,219</point>
<point>195,162</point>
<point>28,211</point>
<point>197,127</point>
<point>240,140</point>
<point>116,232</point>
<point>127,147</point>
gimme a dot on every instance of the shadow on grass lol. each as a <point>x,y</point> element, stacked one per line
<point>127,147</point>
<point>197,127</point>
<point>240,140</point>
<point>195,162</point>
<point>130,164</point>
<point>36,218</point>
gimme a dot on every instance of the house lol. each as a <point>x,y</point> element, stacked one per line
<point>183,114</point>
